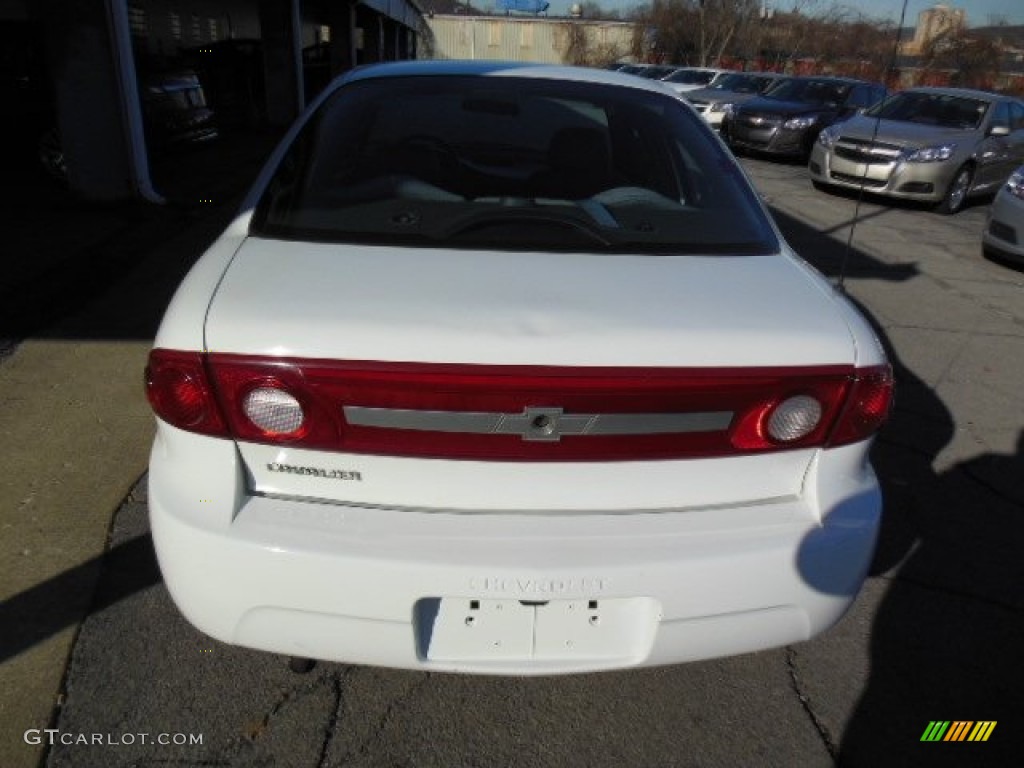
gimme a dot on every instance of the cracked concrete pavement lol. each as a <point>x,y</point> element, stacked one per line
<point>935,634</point>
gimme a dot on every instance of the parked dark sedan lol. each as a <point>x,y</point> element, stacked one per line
<point>788,117</point>
<point>174,112</point>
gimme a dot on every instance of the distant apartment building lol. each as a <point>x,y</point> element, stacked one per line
<point>544,40</point>
<point>932,24</point>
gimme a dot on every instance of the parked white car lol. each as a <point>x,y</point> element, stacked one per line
<point>504,369</point>
<point>691,78</point>
<point>1004,229</point>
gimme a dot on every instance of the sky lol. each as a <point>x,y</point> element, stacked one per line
<point>978,11</point>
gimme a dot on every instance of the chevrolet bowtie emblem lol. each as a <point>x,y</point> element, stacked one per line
<point>544,424</point>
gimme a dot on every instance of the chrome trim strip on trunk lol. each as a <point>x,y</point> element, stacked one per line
<point>362,505</point>
<point>536,423</point>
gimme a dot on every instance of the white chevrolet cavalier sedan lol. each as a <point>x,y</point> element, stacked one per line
<point>504,369</point>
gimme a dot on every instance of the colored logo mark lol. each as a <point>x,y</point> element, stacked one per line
<point>958,730</point>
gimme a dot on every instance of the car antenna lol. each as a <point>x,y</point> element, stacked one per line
<point>889,69</point>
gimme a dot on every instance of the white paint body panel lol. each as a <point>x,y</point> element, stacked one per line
<point>566,487</point>
<point>459,306</point>
<point>340,582</point>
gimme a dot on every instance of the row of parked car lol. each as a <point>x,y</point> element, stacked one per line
<point>940,146</point>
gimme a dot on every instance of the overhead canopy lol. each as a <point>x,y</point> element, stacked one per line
<point>407,12</point>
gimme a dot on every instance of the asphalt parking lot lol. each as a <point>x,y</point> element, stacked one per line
<point>935,635</point>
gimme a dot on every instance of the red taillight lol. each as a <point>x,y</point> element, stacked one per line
<point>179,392</point>
<point>867,407</point>
<point>495,412</point>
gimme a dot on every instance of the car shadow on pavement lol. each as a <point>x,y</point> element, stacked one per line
<point>44,610</point>
<point>900,203</point>
<point>946,637</point>
<point>1016,265</point>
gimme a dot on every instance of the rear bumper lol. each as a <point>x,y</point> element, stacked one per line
<point>397,588</point>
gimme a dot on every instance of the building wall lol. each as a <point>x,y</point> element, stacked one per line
<point>932,23</point>
<point>542,40</point>
<point>936,21</point>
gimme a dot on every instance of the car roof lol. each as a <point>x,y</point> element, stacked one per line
<point>967,92</point>
<point>756,73</point>
<point>500,69</point>
<point>834,79</point>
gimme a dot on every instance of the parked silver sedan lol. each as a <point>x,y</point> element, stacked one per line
<point>1004,229</point>
<point>938,145</point>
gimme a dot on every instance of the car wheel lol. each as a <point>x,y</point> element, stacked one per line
<point>956,192</point>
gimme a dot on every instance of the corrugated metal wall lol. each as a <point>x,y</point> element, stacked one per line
<point>538,39</point>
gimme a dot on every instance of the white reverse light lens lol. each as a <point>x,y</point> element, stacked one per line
<point>273,410</point>
<point>794,418</point>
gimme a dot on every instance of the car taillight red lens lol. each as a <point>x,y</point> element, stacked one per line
<point>492,412</point>
<point>179,392</point>
<point>867,406</point>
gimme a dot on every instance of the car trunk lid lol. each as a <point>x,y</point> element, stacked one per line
<point>493,381</point>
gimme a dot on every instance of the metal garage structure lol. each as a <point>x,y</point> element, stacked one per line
<point>93,46</point>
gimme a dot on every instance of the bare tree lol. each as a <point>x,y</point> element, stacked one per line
<point>808,36</point>
<point>698,32</point>
<point>720,22</point>
<point>836,39</point>
<point>973,62</point>
<point>581,46</point>
<point>594,10</point>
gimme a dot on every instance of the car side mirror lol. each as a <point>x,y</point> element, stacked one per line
<point>999,130</point>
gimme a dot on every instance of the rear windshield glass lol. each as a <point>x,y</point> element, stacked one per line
<point>809,91</point>
<point>742,83</point>
<point>932,109</point>
<point>507,163</point>
<point>691,76</point>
